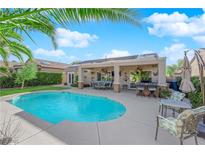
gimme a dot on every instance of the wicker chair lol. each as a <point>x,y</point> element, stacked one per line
<point>182,127</point>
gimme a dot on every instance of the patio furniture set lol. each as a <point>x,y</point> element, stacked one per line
<point>185,125</point>
<point>102,84</point>
<point>147,89</point>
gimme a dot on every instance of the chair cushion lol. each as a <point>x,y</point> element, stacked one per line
<point>187,119</point>
<point>177,95</point>
<point>169,124</point>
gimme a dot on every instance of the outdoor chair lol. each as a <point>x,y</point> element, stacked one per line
<point>182,127</point>
<point>101,85</point>
<point>108,85</point>
<point>199,112</point>
<point>140,88</point>
<point>97,84</point>
<point>152,87</point>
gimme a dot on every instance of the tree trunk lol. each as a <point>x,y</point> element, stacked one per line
<point>22,85</point>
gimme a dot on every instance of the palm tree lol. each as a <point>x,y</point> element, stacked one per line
<point>45,20</point>
<point>11,44</point>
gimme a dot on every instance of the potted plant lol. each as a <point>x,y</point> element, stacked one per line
<point>145,76</point>
<point>165,93</point>
<point>136,76</point>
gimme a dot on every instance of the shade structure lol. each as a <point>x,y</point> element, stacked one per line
<point>186,84</point>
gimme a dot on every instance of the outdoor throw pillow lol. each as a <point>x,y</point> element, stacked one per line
<point>177,95</point>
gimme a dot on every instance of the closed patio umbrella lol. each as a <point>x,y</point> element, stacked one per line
<point>186,84</point>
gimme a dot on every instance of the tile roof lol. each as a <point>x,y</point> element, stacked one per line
<point>50,64</point>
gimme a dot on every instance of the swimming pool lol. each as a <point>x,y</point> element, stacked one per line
<point>55,107</point>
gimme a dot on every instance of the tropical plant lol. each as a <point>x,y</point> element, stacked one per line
<point>11,44</point>
<point>136,76</point>
<point>26,73</point>
<point>4,71</point>
<point>145,76</point>
<point>172,68</point>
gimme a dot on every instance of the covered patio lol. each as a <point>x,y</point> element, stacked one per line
<point>119,70</point>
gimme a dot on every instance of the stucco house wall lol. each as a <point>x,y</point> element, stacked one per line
<point>194,64</point>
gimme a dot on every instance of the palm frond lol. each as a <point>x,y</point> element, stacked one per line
<point>18,49</point>
<point>4,71</point>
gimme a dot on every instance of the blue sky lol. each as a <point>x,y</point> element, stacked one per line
<point>167,32</point>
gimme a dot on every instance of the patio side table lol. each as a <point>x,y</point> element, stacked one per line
<point>173,104</point>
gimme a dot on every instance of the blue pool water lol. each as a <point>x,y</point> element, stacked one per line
<point>55,107</point>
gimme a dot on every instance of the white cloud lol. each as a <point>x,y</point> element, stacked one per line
<point>50,53</point>
<point>203,9</point>
<point>116,53</point>
<point>174,52</point>
<point>67,38</point>
<point>176,24</point>
<point>200,39</point>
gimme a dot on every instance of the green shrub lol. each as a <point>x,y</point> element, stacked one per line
<point>42,78</point>
<point>196,97</point>
<point>196,82</point>
<point>8,82</point>
<point>164,93</point>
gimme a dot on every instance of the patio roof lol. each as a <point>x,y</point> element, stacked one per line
<point>146,59</point>
<point>119,58</point>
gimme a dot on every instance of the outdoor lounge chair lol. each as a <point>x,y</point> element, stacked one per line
<point>183,127</point>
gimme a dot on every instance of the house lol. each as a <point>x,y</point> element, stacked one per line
<point>43,66</point>
<point>118,70</point>
<point>194,63</point>
<point>46,66</point>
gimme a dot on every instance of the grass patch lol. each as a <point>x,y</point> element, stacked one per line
<point>30,89</point>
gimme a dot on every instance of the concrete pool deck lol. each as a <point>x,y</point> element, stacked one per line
<point>136,126</point>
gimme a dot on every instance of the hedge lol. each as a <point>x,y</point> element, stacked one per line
<point>42,78</point>
<point>8,82</point>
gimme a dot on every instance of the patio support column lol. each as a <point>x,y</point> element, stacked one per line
<point>162,71</point>
<point>116,78</point>
<point>80,78</point>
